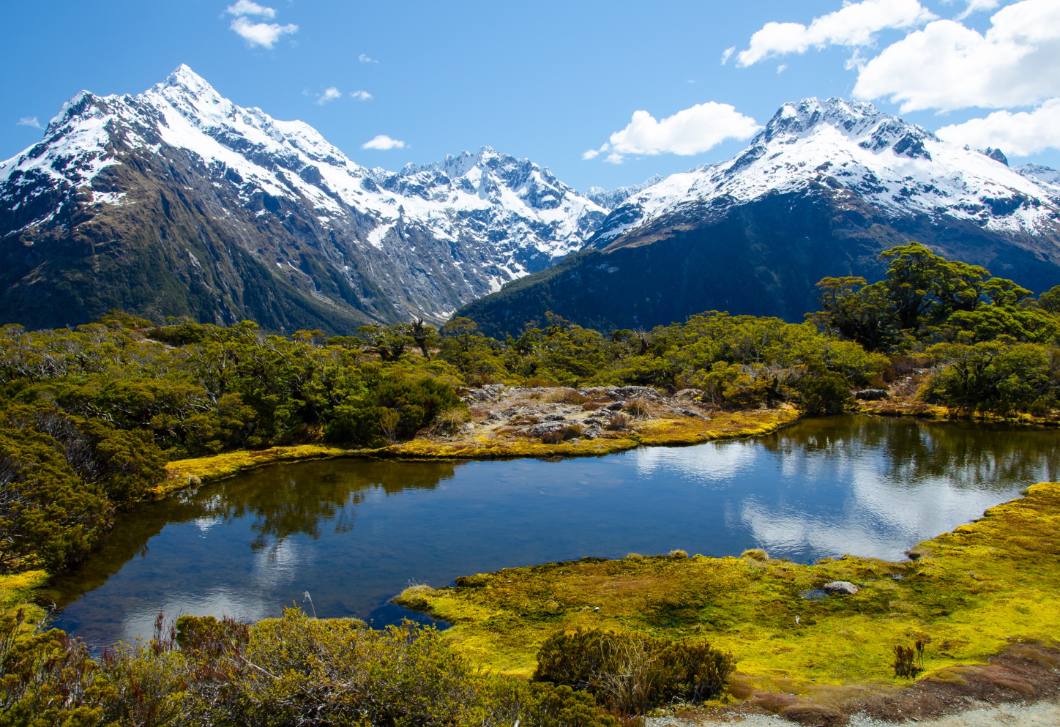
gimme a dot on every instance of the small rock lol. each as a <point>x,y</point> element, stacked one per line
<point>593,432</point>
<point>634,392</point>
<point>871,395</point>
<point>540,430</point>
<point>689,413</point>
<point>840,588</point>
<point>617,406</point>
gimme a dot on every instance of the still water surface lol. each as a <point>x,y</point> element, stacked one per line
<point>355,532</point>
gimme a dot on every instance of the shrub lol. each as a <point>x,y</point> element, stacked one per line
<point>48,516</point>
<point>550,705</point>
<point>48,678</point>
<point>618,422</point>
<point>909,660</point>
<point>394,408</point>
<point>823,393</point>
<point>450,421</point>
<point>568,396</point>
<point>631,673</point>
<point>638,408</point>
<point>572,431</point>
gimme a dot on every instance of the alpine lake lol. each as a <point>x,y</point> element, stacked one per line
<point>341,537</point>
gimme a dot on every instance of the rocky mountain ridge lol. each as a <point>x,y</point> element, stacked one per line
<point>276,224</point>
<point>857,150</point>
<point>820,191</point>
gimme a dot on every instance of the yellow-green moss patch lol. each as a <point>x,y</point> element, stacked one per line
<point>971,593</point>
<point>225,465</point>
<point>729,425</point>
<point>17,589</point>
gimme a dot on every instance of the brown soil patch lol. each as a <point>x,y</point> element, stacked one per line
<point>1028,672</point>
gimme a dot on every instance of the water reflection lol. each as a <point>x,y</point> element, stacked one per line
<point>862,485</point>
<point>284,501</point>
<point>354,532</point>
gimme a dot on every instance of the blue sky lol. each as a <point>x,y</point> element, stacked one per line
<point>556,82</point>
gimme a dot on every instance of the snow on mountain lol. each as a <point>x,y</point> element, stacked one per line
<point>611,198</point>
<point>1045,177</point>
<point>511,216</point>
<point>854,149</point>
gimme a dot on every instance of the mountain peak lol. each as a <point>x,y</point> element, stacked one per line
<point>187,84</point>
<point>800,117</point>
<point>182,75</point>
<point>996,154</point>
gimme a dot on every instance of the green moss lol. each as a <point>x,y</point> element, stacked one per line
<point>16,592</point>
<point>971,592</point>
<point>217,467</point>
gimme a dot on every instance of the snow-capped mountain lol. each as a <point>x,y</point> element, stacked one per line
<point>178,187</point>
<point>820,191</point>
<point>611,198</point>
<point>1048,179</point>
<point>855,149</point>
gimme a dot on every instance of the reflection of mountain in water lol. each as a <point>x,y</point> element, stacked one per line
<point>284,501</point>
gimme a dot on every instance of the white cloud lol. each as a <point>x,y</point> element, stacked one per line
<point>1019,134</point>
<point>976,6</point>
<point>365,58</point>
<point>263,34</point>
<point>361,95</point>
<point>247,7</point>
<point>727,54</point>
<point>947,66</point>
<point>691,131</point>
<point>781,68</point>
<point>854,24</point>
<point>330,94</point>
<point>29,121</point>
<point>383,143</point>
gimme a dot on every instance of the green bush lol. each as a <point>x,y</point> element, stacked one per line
<point>996,377</point>
<point>367,420</point>
<point>631,673</point>
<point>49,517</point>
<point>46,678</point>
<point>823,392</point>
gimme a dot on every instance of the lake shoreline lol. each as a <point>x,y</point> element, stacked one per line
<point>979,596</point>
<point>669,428</point>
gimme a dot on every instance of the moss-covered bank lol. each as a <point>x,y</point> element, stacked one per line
<point>969,593</point>
<point>657,432</point>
